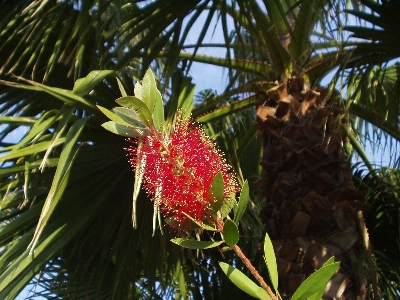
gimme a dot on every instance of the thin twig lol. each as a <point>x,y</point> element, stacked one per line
<point>248,264</point>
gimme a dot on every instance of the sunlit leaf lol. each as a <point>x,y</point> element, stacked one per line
<point>316,282</point>
<point>242,204</point>
<point>140,107</point>
<point>113,116</point>
<point>84,85</point>
<point>241,280</point>
<point>122,130</point>
<point>193,244</point>
<point>270,261</point>
<point>129,115</point>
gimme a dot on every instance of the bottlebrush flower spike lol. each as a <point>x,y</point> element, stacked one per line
<point>180,167</point>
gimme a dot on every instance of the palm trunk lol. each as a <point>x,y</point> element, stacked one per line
<point>311,204</point>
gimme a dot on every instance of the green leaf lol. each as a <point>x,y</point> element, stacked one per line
<point>84,85</point>
<point>231,233</point>
<point>185,100</point>
<point>241,281</point>
<point>122,130</point>
<point>329,261</point>
<point>129,115</point>
<point>150,93</point>
<point>138,90</point>
<point>262,294</point>
<point>66,112</point>
<point>158,114</point>
<point>226,110</point>
<point>64,95</point>
<point>36,148</point>
<point>316,282</point>
<point>193,244</point>
<point>270,261</point>
<point>152,98</point>
<point>242,205</point>
<point>200,225</point>
<point>113,117</point>
<point>61,177</point>
<point>227,206</point>
<point>140,107</point>
<point>318,295</point>
<point>121,88</point>
<point>216,193</point>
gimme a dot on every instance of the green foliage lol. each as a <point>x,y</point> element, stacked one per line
<point>49,99</point>
<point>242,204</point>
<point>231,233</point>
<point>193,244</point>
<point>314,286</point>
<point>270,261</point>
<point>216,192</point>
<point>243,282</point>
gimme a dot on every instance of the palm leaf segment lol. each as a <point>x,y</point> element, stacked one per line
<point>374,77</point>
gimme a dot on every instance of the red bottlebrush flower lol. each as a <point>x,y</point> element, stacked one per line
<point>179,170</point>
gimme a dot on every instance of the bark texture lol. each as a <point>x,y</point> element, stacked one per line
<point>311,204</point>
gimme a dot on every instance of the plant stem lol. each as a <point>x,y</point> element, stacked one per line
<point>248,264</point>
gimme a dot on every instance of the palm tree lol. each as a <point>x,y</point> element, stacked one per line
<point>65,183</point>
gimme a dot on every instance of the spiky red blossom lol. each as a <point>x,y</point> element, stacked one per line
<point>179,169</point>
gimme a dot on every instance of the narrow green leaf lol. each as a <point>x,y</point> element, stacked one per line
<point>226,110</point>
<point>25,219</point>
<point>84,85</point>
<point>259,67</point>
<point>113,116</point>
<point>216,193</point>
<point>14,249</point>
<point>227,205</point>
<point>63,229</point>
<point>316,282</point>
<point>240,280</point>
<point>19,121</point>
<point>61,176</point>
<point>67,111</point>
<point>150,93</point>
<point>36,148</point>
<point>152,98</point>
<point>231,233</point>
<point>39,129</point>
<point>122,130</point>
<point>329,261</point>
<point>317,295</point>
<point>270,261</point>
<point>242,205</point>
<point>50,162</point>
<point>129,115</point>
<point>140,107</point>
<point>262,294</point>
<point>64,95</point>
<point>158,114</point>
<point>138,90</point>
<point>185,100</point>
<point>193,244</point>
<point>200,225</point>
<point>121,88</point>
